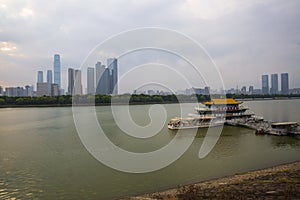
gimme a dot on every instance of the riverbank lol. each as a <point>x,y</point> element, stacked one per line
<point>279,182</point>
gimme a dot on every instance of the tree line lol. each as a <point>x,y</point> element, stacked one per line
<point>121,99</point>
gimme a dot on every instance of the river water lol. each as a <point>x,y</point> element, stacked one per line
<point>42,157</point>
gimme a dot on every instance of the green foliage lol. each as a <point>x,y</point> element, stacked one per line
<point>122,99</point>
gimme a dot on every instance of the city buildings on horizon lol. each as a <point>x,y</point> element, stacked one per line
<point>106,78</point>
<point>103,79</point>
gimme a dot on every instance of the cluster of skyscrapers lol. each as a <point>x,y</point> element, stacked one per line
<point>50,87</point>
<point>274,89</point>
<point>103,79</point>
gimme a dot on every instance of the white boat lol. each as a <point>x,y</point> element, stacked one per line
<point>284,128</point>
<point>194,122</point>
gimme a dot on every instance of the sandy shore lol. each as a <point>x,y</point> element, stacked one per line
<point>280,182</point>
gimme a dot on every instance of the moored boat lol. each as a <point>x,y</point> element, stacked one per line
<point>194,122</point>
<point>284,128</point>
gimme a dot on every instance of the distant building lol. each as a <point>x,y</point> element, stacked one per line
<point>251,88</point>
<point>294,91</point>
<point>28,91</point>
<point>265,84</point>
<point>90,80</point>
<point>284,83</point>
<point>103,79</point>
<point>40,78</point>
<point>274,84</point>
<point>71,81</point>
<point>57,70</point>
<point>15,91</point>
<point>257,91</point>
<point>74,82</point>
<point>55,90</point>
<point>112,64</point>
<point>244,90</point>
<point>42,89</point>
<point>77,83</point>
<point>1,91</point>
<point>206,90</point>
<point>49,79</point>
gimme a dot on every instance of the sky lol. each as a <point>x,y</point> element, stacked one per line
<point>245,39</point>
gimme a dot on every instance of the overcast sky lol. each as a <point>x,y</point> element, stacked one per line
<point>244,38</point>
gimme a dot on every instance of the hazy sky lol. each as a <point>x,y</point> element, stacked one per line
<point>245,38</point>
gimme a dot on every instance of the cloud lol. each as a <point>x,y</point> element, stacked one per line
<point>249,36</point>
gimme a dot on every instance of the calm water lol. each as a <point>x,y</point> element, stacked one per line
<point>41,156</point>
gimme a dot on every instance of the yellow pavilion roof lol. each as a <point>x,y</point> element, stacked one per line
<point>223,101</point>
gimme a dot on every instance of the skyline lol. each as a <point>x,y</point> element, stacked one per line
<point>245,39</point>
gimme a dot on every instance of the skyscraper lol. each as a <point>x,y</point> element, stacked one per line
<point>90,80</point>
<point>265,84</point>
<point>74,82</point>
<point>284,83</point>
<point>56,69</point>
<point>77,83</point>
<point>71,80</point>
<point>274,84</point>
<point>103,79</point>
<point>40,77</point>
<point>49,80</point>
<point>112,64</point>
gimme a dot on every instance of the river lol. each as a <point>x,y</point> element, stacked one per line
<point>42,156</point>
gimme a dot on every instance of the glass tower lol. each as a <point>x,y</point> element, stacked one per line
<point>56,69</point>
<point>40,77</point>
<point>112,64</point>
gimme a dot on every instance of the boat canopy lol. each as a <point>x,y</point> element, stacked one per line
<point>284,123</point>
<point>222,101</point>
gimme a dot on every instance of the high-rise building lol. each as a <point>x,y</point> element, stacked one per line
<point>251,89</point>
<point>1,91</point>
<point>28,90</point>
<point>42,89</point>
<point>274,84</point>
<point>90,80</point>
<point>102,79</point>
<point>244,90</point>
<point>55,90</point>
<point>77,83</point>
<point>112,64</point>
<point>265,84</point>
<point>284,83</point>
<point>49,79</point>
<point>40,77</point>
<point>71,81</point>
<point>99,73</point>
<point>56,69</point>
<point>74,82</point>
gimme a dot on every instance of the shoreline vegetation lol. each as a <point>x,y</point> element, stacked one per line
<point>279,182</point>
<point>134,99</point>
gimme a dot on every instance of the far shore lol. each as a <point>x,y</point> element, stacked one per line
<point>134,103</point>
<point>279,182</point>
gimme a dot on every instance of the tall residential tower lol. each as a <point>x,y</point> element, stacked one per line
<point>284,83</point>
<point>274,84</point>
<point>265,84</point>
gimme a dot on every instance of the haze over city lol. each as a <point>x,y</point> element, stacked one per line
<point>245,39</point>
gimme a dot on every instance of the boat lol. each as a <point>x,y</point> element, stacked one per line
<point>194,122</point>
<point>284,128</point>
